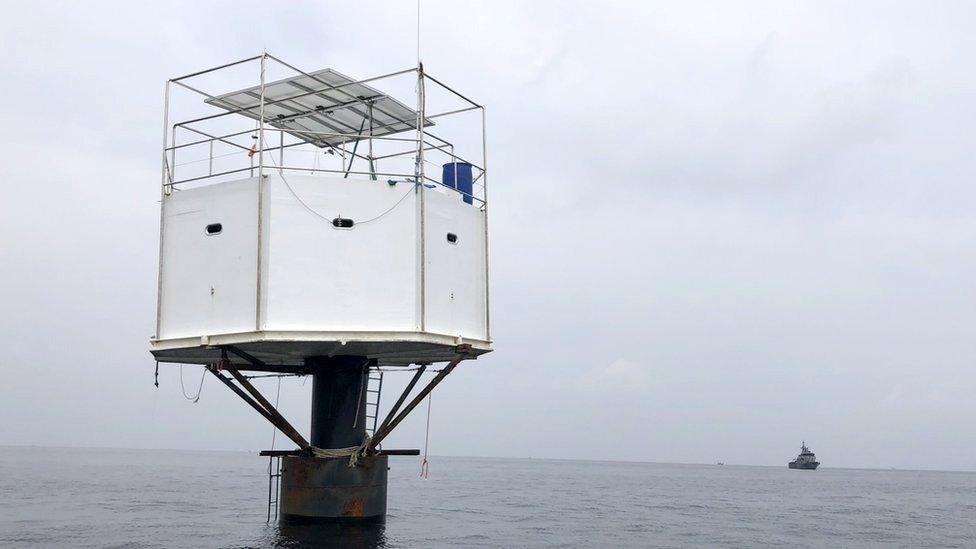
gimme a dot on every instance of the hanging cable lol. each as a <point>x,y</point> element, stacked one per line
<point>156,383</point>
<point>274,430</point>
<point>325,218</point>
<point>424,466</point>
<point>196,398</point>
<point>363,379</point>
<point>390,209</point>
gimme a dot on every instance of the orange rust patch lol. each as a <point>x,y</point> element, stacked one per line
<point>353,508</point>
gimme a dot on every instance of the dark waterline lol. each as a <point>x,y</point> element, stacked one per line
<point>68,497</point>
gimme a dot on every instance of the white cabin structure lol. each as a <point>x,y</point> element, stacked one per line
<point>314,215</point>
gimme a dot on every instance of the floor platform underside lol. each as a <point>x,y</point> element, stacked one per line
<point>277,352</point>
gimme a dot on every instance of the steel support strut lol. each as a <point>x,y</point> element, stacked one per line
<point>281,422</point>
<point>283,427</point>
<point>390,424</point>
<point>403,396</point>
<point>254,398</point>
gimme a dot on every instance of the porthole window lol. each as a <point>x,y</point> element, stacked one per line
<point>452,238</point>
<point>343,223</point>
<point>214,228</point>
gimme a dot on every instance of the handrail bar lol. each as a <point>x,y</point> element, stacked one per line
<point>411,151</point>
<point>205,71</point>
<point>222,138</point>
<point>456,111</point>
<point>407,178</point>
<point>213,138</point>
<point>450,89</point>
<point>385,174</point>
<point>252,130</point>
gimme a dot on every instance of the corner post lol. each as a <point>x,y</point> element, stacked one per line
<point>164,191</point>
<point>484,196</point>
<point>422,208</point>
<point>258,294</point>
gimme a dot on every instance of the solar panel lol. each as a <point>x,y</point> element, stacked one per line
<point>307,106</point>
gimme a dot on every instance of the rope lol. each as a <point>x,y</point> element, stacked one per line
<point>196,398</point>
<point>334,452</point>
<point>424,466</point>
<point>402,198</point>
<point>354,452</point>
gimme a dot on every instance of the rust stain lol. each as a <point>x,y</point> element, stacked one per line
<point>353,508</point>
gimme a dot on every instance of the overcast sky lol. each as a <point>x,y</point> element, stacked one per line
<point>716,229</point>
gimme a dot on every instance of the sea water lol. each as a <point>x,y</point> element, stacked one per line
<point>69,497</point>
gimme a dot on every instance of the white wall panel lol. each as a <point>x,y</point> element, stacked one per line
<point>455,272</point>
<point>321,278</point>
<point>209,281</point>
<point>316,278</point>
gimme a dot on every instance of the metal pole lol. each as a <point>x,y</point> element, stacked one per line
<point>221,138</point>
<point>484,186</point>
<point>260,239</point>
<point>419,169</point>
<point>165,167</point>
<point>372,168</point>
<point>172,154</point>
<point>448,113</point>
<point>452,90</point>
<point>428,148</point>
<point>164,191</point>
<point>198,73</point>
<point>270,484</point>
<point>406,176</point>
<point>296,133</point>
<point>250,156</point>
<point>261,125</point>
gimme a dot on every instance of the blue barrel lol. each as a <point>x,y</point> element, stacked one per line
<point>457,175</point>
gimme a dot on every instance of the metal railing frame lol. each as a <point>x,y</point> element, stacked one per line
<point>169,180</point>
<point>422,145</point>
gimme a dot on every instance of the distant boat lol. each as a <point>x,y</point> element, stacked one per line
<point>806,459</point>
<point>720,463</point>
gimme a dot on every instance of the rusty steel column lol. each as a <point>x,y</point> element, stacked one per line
<point>327,489</point>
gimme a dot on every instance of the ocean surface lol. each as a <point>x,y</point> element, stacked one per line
<point>78,498</point>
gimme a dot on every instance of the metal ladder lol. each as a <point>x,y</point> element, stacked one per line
<point>274,485</point>
<point>373,400</point>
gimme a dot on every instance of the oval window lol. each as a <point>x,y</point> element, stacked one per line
<point>343,223</point>
<point>452,238</point>
<point>214,228</point>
